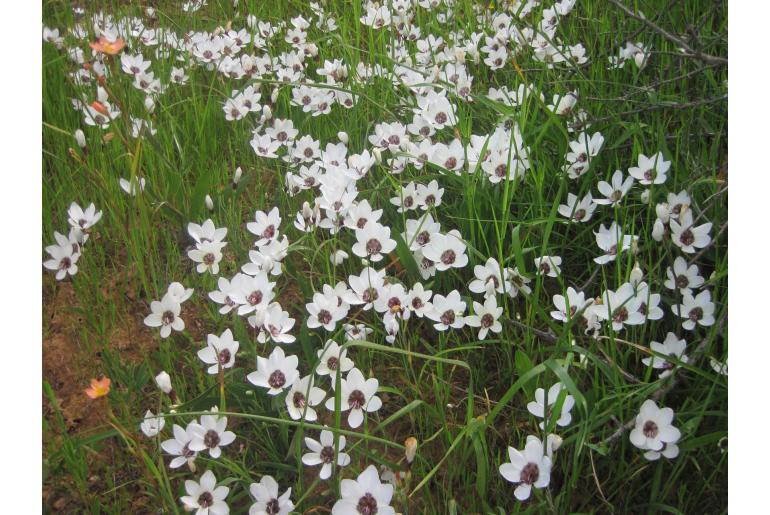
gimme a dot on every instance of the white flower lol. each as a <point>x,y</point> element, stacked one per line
<point>418,233</point>
<point>447,311</point>
<point>220,351</point>
<point>152,424</point>
<point>130,187</point>
<point>406,199</point>
<point>446,250</point>
<point>225,293</point>
<point>576,300</point>
<point>528,467</point>
<point>608,239</point>
<point>357,395</point>
<point>683,277</point>
<point>179,446</point>
<point>211,434</point>
<point>81,219</point>
<point>686,236</point>
<point>165,314</point>
<point>418,300</point>
<point>276,372</point>
<point>720,367</point>
<point>621,307</point>
<point>325,311</point>
<point>485,317</point>
<point>578,211</point>
<point>323,453</point>
<point>206,232</point>
<point>64,257</point>
<point>671,346</point>
<point>333,358</point>
<point>653,429</point>
<point>540,409</point>
<point>372,241</point>
<point>253,294</point>
<point>695,310</point>
<point>178,292</point>
<point>268,502</point>
<point>367,494</point>
<point>276,325</point>
<point>302,397</point>
<point>365,287</point>
<point>205,497</point>
<point>488,279</point>
<point>651,170</point>
<point>208,255</point>
<point>548,265</point>
<point>266,226</point>
<point>614,191</point>
<point>338,257</point>
<point>429,196</point>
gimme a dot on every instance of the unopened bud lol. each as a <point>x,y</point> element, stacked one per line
<point>274,95</point>
<point>636,274</point>
<point>163,380</point>
<point>411,449</point>
<point>237,176</point>
<point>149,104</point>
<point>267,113</point>
<point>343,137</point>
<point>80,137</point>
<point>645,196</point>
<point>209,203</point>
<point>377,155</point>
<point>338,257</point>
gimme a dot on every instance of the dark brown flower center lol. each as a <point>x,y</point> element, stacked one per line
<point>272,507</point>
<point>167,318</point>
<point>276,379</point>
<point>224,357</point>
<point>324,317</point>
<point>205,500</point>
<point>450,163</point>
<point>356,399</point>
<point>530,474</point>
<point>447,317</point>
<point>580,214</point>
<point>373,246</point>
<point>211,439</point>
<point>448,257</point>
<point>687,237</point>
<point>327,454</point>
<point>487,320</point>
<point>65,263</point>
<point>620,315</point>
<point>298,400</point>
<point>650,429</point>
<point>696,314</point>
<point>255,297</point>
<point>209,259</point>
<point>367,505</point>
<point>332,363</point>
<point>441,118</point>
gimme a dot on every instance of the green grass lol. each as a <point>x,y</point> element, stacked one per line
<point>139,248</point>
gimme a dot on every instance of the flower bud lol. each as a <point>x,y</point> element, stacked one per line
<point>338,257</point>
<point>274,94</point>
<point>343,137</point>
<point>411,449</point>
<point>636,274</point>
<point>645,196</point>
<point>311,49</point>
<point>237,176</point>
<point>149,104</point>
<point>163,380</point>
<point>377,155</point>
<point>267,113</point>
<point>209,203</point>
<point>80,137</point>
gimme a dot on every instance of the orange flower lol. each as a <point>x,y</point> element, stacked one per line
<point>106,46</point>
<point>99,388</point>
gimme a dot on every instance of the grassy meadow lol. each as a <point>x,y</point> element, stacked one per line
<point>463,397</point>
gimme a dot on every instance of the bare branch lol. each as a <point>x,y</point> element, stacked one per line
<point>690,51</point>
